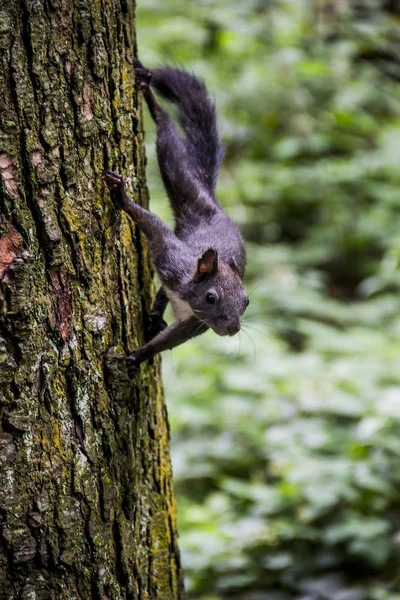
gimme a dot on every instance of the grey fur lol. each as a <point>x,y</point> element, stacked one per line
<point>201,264</point>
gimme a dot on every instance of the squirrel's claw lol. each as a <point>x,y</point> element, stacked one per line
<point>115,183</point>
<point>113,179</point>
<point>143,75</point>
<point>133,363</point>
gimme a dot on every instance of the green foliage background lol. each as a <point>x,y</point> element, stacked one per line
<point>286,440</point>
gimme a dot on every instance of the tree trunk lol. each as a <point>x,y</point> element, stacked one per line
<point>86,506</point>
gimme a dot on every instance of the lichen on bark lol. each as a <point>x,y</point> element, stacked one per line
<point>86,505</point>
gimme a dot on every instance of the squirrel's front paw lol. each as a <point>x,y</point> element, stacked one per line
<point>133,363</point>
<point>115,184</point>
<point>134,360</point>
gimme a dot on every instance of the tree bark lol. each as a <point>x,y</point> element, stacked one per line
<point>86,507</point>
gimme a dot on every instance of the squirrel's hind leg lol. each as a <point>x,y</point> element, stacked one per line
<point>143,79</point>
<point>180,182</point>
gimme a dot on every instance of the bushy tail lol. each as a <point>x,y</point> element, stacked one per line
<point>197,118</point>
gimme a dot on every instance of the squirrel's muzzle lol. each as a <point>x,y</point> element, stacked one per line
<point>230,328</point>
<point>234,328</point>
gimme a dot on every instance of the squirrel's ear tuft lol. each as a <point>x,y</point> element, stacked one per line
<point>207,264</point>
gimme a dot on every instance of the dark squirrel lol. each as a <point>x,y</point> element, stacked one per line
<point>201,265</point>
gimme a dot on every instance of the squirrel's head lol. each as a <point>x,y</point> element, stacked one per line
<point>216,294</point>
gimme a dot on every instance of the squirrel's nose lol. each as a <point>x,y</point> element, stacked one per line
<point>234,327</point>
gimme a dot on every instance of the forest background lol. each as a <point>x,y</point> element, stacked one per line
<point>286,439</point>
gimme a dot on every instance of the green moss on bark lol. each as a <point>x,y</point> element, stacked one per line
<point>86,504</point>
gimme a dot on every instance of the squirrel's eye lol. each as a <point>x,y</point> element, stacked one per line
<point>247,301</point>
<point>211,298</point>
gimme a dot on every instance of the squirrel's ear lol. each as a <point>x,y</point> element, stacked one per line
<point>207,264</point>
<point>234,266</point>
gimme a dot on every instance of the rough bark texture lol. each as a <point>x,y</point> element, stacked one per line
<point>86,507</point>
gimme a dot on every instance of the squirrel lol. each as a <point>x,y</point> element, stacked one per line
<point>202,263</point>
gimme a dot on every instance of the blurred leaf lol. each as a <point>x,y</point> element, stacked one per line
<point>286,440</point>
